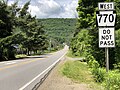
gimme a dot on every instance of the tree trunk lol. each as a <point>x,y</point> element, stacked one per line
<point>28,52</point>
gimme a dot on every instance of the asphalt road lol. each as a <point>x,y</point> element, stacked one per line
<point>23,74</point>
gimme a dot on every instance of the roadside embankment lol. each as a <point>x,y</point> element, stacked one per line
<point>70,74</point>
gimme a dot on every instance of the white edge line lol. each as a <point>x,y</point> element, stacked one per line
<point>22,88</point>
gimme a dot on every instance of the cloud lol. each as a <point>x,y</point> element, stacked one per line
<point>10,3</point>
<point>70,10</point>
<point>51,8</point>
<point>45,8</point>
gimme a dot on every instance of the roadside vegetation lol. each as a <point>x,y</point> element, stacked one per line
<point>20,56</point>
<point>70,54</point>
<point>79,72</point>
<point>85,43</point>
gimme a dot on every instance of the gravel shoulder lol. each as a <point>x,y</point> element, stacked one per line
<point>56,81</point>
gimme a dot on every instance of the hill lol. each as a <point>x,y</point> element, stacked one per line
<point>59,30</point>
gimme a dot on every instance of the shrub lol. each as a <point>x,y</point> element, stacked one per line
<point>117,66</point>
<point>92,63</point>
<point>98,74</point>
<point>112,81</point>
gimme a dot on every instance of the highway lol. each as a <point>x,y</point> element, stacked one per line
<point>24,74</point>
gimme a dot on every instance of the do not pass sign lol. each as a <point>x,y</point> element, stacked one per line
<point>106,37</point>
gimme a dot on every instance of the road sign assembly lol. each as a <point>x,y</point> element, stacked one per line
<point>106,17</point>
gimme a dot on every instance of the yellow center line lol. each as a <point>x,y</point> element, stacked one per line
<point>20,64</point>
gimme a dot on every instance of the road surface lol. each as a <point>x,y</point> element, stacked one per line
<point>23,74</point>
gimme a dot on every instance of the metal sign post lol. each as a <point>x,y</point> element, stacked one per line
<point>107,59</point>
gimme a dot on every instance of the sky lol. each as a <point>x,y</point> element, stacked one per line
<point>51,8</point>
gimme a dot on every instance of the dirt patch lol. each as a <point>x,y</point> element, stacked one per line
<point>56,81</point>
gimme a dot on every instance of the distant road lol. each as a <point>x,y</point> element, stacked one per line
<point>23,74</point>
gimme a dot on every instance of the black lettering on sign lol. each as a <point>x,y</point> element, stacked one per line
<point>106,6</point>
<point>101,5</point>
<point>111,18</point>
<point>110,5</point>
<point>107,43</point>
<point>112,43</point>
<point>106,31</point>
<point>100,17</point>
<point>105,17</point>
<point>101,42</point>
<point>106,37</point>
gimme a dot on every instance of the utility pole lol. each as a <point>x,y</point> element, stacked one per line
<point>50,45</point>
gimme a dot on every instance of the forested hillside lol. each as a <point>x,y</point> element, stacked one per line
<point>59,30</point>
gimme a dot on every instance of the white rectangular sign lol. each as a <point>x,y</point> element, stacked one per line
<point>106,6</point>
<point>106,37</point>
<point>106,18</point>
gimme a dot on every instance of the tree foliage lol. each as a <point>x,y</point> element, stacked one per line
<point>19,28</point>
<point>87,20</point>
<point>80,43</point>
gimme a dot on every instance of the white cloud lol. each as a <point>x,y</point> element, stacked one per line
<point>70,10</point>
<point>45,8</point>
<point>51,8</point>
<point>10,3</point>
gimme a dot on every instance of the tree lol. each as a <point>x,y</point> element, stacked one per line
<point>5,26</point>
<point>18,27</point>
<point>87,19</point>
<point>34,34</point>
<point>5,21</point>
<point>81,43</point>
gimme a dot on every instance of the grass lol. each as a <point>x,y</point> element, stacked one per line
<point>79,72</point>
<point>21,56</point>
<point>70,54</point>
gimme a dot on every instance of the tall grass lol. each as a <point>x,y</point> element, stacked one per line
<point>80,73</point>
<point>77,71</point>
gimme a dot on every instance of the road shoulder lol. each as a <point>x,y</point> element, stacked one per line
<point>57,81</point>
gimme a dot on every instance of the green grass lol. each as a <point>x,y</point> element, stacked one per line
<point>21,56</point>
<point>79,72</point>
<point>70,54</point>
